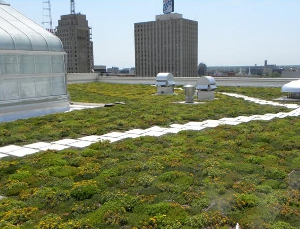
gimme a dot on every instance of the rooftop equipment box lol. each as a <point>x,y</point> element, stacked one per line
<point>165,83</point>
<point>206,86</point>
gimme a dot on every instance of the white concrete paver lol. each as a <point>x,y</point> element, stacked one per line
<point>110,139</point>
<point>173,130</point>
<point>228,120</point>
<point>244,118</point>
<point>211,123</point>
<point>264,118</point>
<point>80,144</point>
<point>3,155</point>
<point>135,131</point>
<point>22,152</point>
<point>188,126</point>
<point>232,123</point>
<point>294,112</point>
<point>66,141</point>
<point>9,148</point>
<point>114,135</point>
<point>278,115</point>
<point>38,145</point>
<point>131,136</point>
<point>75,107</point>
<point>55,147</point>
<point>177,126</point>
<point>156,131</point>
<point>260,101</point>
<point>92,138</point>
<point>153,133</point>
<point>292,106</point>
<point>283,116</point>
<point>194,124</point>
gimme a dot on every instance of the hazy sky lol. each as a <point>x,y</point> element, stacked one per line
<point>231,32</point>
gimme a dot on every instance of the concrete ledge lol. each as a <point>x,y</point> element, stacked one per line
<point>82,77</point>
<point>28,109</point>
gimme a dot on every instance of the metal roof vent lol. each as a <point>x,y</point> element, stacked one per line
<point>292,89</point>
<point>205,86</point>
<point>165,83</point>
<point>189,91</point>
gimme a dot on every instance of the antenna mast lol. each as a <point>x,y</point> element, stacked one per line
<point>72,6</point>
<point>47,16</point>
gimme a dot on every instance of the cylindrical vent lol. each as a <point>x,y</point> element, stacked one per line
<point>189,91</point>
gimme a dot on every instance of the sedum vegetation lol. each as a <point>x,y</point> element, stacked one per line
<point>212,178</point>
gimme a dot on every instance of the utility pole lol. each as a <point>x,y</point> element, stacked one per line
<point>72,6</point>
<point>47,16</point>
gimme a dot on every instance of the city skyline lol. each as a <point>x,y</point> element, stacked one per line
<point>231,32</point>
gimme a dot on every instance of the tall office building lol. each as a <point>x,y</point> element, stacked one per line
<point>168,44</point>
<point>76,36</point>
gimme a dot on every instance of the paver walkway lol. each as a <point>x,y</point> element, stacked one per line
<point>20,151</point>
